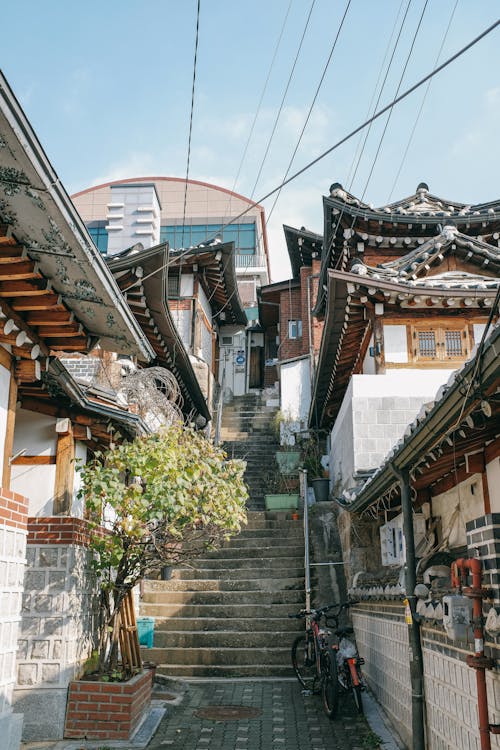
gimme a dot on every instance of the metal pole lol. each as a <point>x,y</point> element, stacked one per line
<point>307,568</point>
<point>416,660</point>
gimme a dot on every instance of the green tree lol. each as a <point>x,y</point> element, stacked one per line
<point>162,499</point>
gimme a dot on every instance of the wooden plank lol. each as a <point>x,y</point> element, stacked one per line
<point>18,271</point>
<point>82,432</point>
<point>33,288</point>
<point>9,432</point>
<point>28,460</point>
<point>27,370</point>
<point>50,318</point>
<point>65,472</point>
<point>23,326</point>
<point>71,329</point>
<point>69,344</point>
<point>5,358</point>
<point>47,302</point>
<point>12,253</point>
<point>6,236</point>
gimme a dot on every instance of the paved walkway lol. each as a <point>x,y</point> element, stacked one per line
<point>286,718</point>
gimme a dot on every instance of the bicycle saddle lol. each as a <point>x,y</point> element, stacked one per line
<point>341,632</point>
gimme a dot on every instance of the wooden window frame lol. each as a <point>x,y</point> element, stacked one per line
<point>439,327</point>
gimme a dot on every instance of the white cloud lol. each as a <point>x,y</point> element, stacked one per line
<point>134,164</point>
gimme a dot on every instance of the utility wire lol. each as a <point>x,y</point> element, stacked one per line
<point>283,99</point>
<point>191,117</point>
<point>356,130</point>
<point>397,92</point>
<point>421,106</point>
<point>311,107</point>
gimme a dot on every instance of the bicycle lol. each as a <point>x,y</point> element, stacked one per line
<point>324,668</point>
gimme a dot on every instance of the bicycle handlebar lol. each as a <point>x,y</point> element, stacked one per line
<point>318,613</point>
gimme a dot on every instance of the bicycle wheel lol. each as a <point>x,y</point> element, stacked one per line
<point>304,662</point>
<point>330,689</point>
<point>358,700</point>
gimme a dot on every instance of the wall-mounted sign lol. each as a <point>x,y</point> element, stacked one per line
<point>240,357</point>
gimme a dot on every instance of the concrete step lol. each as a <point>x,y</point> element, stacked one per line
<point>216,610</point>
<point>245,552</point>
<point>221,638</point>
<point>270,563</point>
<point>270,572</point>
<point>267,585</point>
<point>219,656</point>
<point>223,598</point>
<point>242,670</point>
<point>233,624</point>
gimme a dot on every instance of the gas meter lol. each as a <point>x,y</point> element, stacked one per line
<point>457,616</point>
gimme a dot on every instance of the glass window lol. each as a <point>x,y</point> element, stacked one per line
<point>243,235</point>
<point>294,329</point>
<point>99,234</point>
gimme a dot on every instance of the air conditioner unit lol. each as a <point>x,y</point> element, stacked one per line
<point>392,541</point>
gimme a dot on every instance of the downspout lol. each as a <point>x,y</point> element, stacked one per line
<point>478,661</point>
<point>415,651</point>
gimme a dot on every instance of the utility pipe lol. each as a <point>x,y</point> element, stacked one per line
<point>307,567</point>
<point>479,661</point>
<point>416,659</point>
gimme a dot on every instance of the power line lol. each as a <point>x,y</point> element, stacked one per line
<point>310,108</point>
<point>283,99</point>
<point>421,106</point>
<point>356,130</point>
<point>191,116</point>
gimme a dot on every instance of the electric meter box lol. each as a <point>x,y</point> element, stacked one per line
<point>457,616</point>
<point>392,541</point>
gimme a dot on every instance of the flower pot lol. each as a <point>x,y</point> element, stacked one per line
<point>281,502</point>
<point>288,461</point>
<point>321,489</point>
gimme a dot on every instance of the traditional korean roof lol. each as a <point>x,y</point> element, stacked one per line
<point>142,276</point>
<point>461,422</point>
<point>350,225</point>
<point>400,284</point>
<point>303,245</point>
<point>215,263</point>
<point>51,273</point>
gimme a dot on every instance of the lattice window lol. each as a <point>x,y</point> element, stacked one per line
<point>439,342</point>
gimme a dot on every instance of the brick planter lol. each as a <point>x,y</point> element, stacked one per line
<point>107,710</point>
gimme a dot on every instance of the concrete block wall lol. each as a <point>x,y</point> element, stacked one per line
<point>58,623</point>
<point>382,639</point>
<point>13,523</point>
<point>483,534</point>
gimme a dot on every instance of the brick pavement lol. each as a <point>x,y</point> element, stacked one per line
<point>288,719</point>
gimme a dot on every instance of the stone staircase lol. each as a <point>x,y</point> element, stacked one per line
<point>248,433</point>
<point>227,614</point>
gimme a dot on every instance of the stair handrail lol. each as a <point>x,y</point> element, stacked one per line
<point>218,421</point>
<point>307,565</point>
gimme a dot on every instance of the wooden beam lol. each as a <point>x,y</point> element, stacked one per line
<point>12,253</point>
<point>5,358</point>
<point>71,329</point>
<point>65,472</point>
<point>27,370</point>
<point>47,302</point>
<point>28,460</point>
<point>9,432</point>
<point>48,318</point>
<point>33,288</point>
<point>69,344</point>
<point>82,432</point>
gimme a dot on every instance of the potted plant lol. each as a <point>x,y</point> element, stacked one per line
<point>154,502</point>
<point>317,475</point>
<point>288,457</point>
<point>282,492</point>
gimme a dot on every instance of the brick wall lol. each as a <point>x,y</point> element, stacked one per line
<point>58,622</point>
<point>107,711</point>
<point>13,521</point>
<point>290,309</point>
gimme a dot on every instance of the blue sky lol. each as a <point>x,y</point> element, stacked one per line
<point>107,87</point>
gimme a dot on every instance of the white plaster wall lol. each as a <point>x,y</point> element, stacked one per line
<point>182,320</point>
<point>459,505</point>
<point>493,476</point>
<point>395,344</point>
<point>295,389</point>
<point>369,362</point>
<point>205,304</point>
<point>187,284</point>
<point>77,508</point>
<point>37,435</point>
<point>401,382</point>
<point>342,446</point>
<point>4,402</point>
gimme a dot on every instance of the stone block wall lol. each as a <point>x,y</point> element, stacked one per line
<point>382,639</point>
<point>13,522</point>
<point>58,622</point>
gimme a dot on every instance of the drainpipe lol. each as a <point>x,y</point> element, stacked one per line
<point>416,659</point>
<point>478,661</point>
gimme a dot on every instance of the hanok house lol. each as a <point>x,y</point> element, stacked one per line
<point>405,294</point>
<point>56,296</point>
<point>292,335</point>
